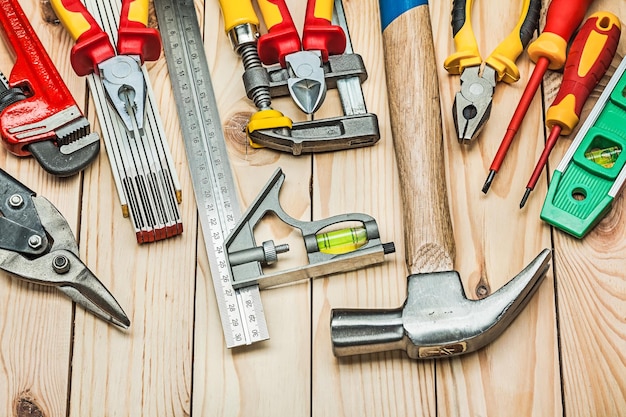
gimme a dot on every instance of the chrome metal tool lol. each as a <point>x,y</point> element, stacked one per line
<point>270,128</point>
<point>37,245</point>
<point>330,249</point>
<point>240,310</point>
<point>140,158</point>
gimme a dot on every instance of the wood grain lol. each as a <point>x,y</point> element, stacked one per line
<point>495,239</point>
<point>564,355</point>
<point>36,321</point>
<point>592,291</point>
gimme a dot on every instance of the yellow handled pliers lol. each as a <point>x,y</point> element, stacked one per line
<point>472,104</point>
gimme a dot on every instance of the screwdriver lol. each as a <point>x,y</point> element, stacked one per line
<point>547,51</point>
<point>590,55</point>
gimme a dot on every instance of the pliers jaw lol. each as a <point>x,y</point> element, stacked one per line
<point>307,82</point>
<point>37,245</point>
<point>472,105</point>
<point>124,84</point>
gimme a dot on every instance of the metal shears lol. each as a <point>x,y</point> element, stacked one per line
<point>37,245</point>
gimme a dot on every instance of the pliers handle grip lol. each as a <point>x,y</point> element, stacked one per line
<point>93,45</point>
<point>282,39</point>
<point>503,58</point>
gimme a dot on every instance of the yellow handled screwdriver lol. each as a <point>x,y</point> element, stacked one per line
<point>589,57</point>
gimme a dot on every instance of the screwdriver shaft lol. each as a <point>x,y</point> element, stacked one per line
<point>590,56</point>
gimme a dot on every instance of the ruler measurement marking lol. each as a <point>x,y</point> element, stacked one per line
<point>209,167</point>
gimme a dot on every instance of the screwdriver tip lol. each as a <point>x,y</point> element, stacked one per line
<point>490,177</point>
<point>525,198</point>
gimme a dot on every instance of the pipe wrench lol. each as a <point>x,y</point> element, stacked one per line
<point>38,115</point>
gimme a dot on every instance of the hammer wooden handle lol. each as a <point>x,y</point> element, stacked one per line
<point>415,113</point>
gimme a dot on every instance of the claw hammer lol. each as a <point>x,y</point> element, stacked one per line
<point>436,319</point>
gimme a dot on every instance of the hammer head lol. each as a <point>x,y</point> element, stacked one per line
<point>437,319</point>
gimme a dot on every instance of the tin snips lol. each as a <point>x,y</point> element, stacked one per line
<point>37,245</point>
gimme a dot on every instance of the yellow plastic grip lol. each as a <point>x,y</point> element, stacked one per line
<point>138,11</point>
<point>238,12</point>
<point>596,44</point>
<point>271,13</point>
<point>563,114</point>
<point>324,9</point>
<point>268,119</point>
<point>75,23</point>
<point>551,46</point>
<point>503,58</point>
<point>467,54</point>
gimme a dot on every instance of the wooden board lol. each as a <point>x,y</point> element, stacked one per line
<point>564,355</point>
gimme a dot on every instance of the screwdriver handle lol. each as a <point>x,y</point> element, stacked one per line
<point>238,13</point>
<point>589,58</point>
<point>134,35</point>
<point>92,43</point>
<point>562,19</point>
<point>282,36</point>
<point>319,34</point>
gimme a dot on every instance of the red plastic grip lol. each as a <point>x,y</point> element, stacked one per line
<point>589,58</point>
<point>564,16</point>
<point>135,38</point>
<point>320,35</point>
<point>92,46</point>
<point>35,73</point>
<point>282,38</point>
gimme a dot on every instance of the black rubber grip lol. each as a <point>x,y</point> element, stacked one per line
<point>458,15</point>
<point>531,22</point>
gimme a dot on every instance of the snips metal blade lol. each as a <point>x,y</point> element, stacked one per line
<point>37,245</point>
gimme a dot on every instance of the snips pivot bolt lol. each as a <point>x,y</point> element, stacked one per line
<point>16,201</point>
<point>35,242</point>
<point>61,264</point>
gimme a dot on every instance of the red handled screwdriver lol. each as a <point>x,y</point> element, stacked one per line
<point>589,57</point>
<point>547,51</point>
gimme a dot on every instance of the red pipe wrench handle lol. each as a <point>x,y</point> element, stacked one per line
<point>282,38</point>
<point>319,34</point>
<point>37,77</point>
<point>134,35</point>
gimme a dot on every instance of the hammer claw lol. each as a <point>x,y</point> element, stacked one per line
<point>437,318</point>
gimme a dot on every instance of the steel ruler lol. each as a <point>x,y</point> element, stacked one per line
<point>241,312</point>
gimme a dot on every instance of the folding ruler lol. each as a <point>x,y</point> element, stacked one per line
<point>143,168</point>
<point>241,312</point>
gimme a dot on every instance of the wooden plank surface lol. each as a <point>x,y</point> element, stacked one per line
<point>564,355</point>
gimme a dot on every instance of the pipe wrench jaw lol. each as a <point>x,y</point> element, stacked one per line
<point>59,139</point>
<point>38,114</point>
<point>331,252</point>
